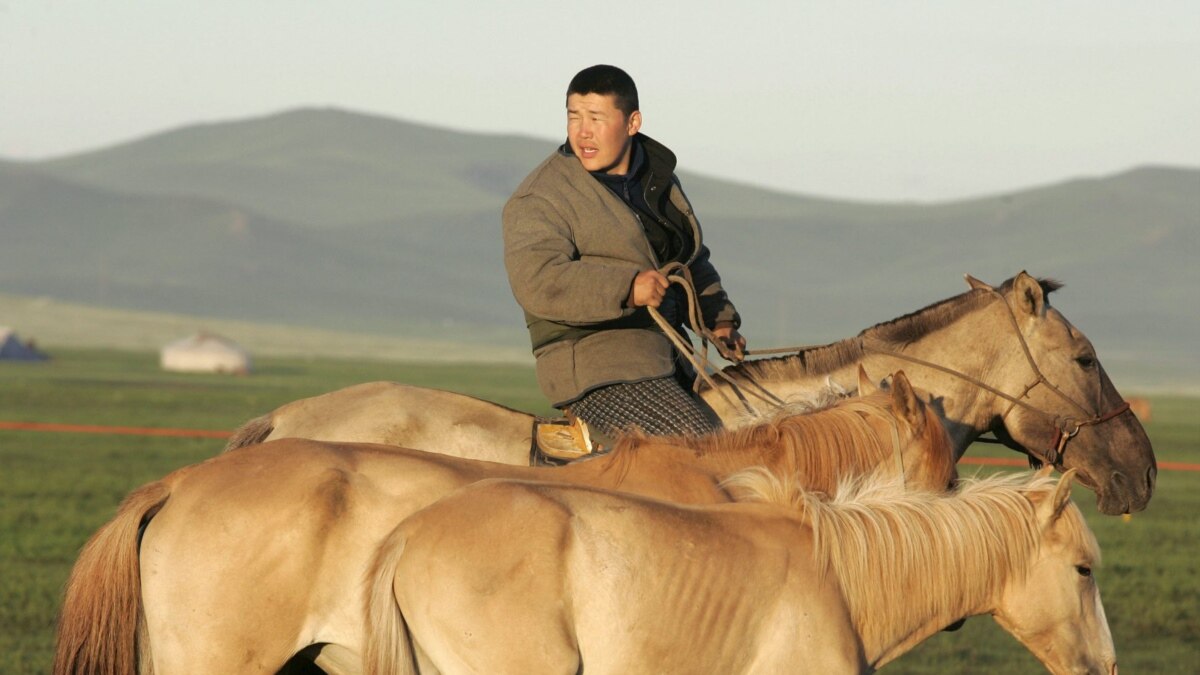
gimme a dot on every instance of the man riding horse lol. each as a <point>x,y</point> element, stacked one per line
<point>585,235</point>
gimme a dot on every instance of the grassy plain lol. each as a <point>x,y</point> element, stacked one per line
<point>57,488</point>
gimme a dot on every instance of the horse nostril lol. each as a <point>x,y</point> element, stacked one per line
<point>1151,477</point>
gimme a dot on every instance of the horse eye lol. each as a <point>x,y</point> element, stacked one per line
<point>1085,361</point>
<point>1084,570</point>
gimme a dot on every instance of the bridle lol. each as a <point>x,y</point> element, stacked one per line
<point>1065,427</point>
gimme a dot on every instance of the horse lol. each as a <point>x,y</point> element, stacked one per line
<point>998,360</point>
<point>241,562</point>
<point>513,577</point>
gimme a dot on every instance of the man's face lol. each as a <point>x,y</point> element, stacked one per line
<point>599,133</point>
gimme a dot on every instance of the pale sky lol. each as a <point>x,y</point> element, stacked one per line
<point>867,100</point>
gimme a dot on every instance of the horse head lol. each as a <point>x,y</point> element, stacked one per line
<point>1055,608</point>
<point>926,453</point>
<point>1064,409</point>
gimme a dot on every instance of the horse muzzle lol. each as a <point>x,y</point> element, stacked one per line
<point>1123,494</point>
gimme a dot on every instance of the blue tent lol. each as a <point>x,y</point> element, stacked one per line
<point>12,349</point>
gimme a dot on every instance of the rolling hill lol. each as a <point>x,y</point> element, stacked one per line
<point>335,220</point>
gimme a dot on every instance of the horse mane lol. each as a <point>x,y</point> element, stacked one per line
<point>821,445</point>
<point>898,332</point>
<point>884,543</point>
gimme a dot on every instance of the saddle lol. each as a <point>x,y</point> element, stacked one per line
<point>559,440</point>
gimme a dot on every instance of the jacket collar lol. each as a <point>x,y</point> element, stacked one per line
<point>658,156</point>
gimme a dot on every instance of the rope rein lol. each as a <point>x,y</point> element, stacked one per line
<point>678,273</point>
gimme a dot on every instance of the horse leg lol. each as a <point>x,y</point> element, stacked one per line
<point>216,609</point>
<point>334,660</point>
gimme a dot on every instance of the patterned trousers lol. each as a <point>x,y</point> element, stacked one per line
<point>658,407</point>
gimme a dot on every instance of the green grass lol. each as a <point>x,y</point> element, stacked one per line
<point>57,488</point>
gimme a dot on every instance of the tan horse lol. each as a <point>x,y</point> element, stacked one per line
<point>996,359</point>
<point>514,577</point>
<point>258,554</point>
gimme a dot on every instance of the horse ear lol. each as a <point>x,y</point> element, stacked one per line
<point>976,284</point>
<point>1028,295</point>
<point>866,386</point>
<point>905,402</point>
<point>1062,492</point>
<point>1052,509</point>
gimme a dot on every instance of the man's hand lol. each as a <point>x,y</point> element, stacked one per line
<point>731,338</point>
<point>648,290</point>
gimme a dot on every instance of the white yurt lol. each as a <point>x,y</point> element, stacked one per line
<point>12,349</point>
<point>205,353</point>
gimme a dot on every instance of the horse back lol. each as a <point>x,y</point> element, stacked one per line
<point>391,413</point>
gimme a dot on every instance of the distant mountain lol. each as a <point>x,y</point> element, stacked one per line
<point>333,219</point>
<point>322,168</point>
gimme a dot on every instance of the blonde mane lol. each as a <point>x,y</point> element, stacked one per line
<point>822,445</point>
<point>884,543</point>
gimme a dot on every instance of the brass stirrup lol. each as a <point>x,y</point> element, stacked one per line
<point>564,439</point>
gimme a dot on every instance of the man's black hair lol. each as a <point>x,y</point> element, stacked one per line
<point>606,80</point>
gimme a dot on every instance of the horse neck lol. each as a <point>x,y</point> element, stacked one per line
<point>900,600</point>
<point>971,344</point>
<point>648,467</point>
<point>851,438</point>
<point>823,446</point>
<point>685,469</point>
<point>718,456</point>
<point>760,386</point>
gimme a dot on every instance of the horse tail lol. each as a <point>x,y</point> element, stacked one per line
<point>254,431</point>
<point>388,644</point>
<point>101,623</point>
